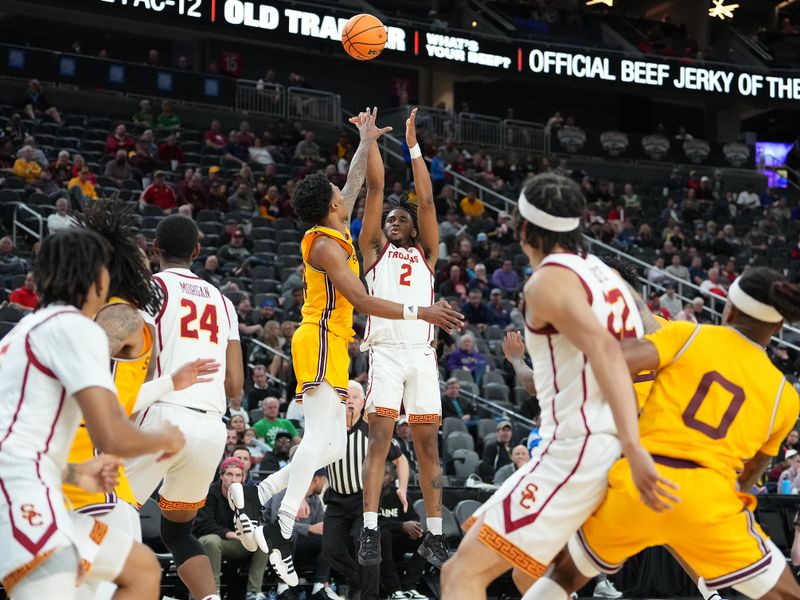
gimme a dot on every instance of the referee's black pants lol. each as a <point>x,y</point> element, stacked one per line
<point>344,520</point>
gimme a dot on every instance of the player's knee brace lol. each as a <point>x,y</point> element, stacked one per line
<point>178,539</point>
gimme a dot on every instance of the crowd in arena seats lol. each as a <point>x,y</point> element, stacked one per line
<point>237,183</point>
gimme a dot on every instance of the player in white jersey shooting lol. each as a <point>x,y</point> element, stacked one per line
<point>576,310</point>
<point>398,265</point>
<point>53,369</point>
<point>195,321</point>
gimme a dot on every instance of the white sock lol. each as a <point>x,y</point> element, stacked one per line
<point>286,521</point>
<point>706,593</point>
<point>317,587</point>
<point>545,588</point>
<point>370,520</point>
<point>282,587</point>
<point>434,525</point>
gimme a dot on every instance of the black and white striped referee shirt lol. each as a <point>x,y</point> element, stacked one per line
<point>345,475</point>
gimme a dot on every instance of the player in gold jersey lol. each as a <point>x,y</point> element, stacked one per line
<point>319,346</point>
<point>132,296</point>
<point>716,415</point>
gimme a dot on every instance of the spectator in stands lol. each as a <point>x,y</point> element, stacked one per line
<point>235,150</point>
<point>499,314</point>
<point>142,158</point>
<point>455,406</point>
<point>783,361</point>
<point>683,135</point>
<point>481,281</point>
<point>15,130</point>
<point>59,219</point>
<point>278,457</point>
<point>81,189</point>
<point>153,58</point>
<point>183,64</point>
<point>471,206</point>
<point>11,263</point>
<point>118,169</point>
<point>631,199</point>
<point>670,302</point>
<point>307,148</point>
<point>467,358</point>
<point>259,154</point>
<point>167,120</point>
<point>519,456</point>
<point>34,103</point>
<point>235,408</point>
<point>193,194</point>
<point>403,439</point>
<point>506,278</point>
<point>676,269</point>
<point>497,453</point>
<point>792,442</point>
<point>397,195</point>
<point>268,427</point>
<point>476,311</point>
<point>211,271</point>
<point>25,297</point>
<point>308,531</point>
<point>698,312</point>
<point>270,205</point>
<point>243,200</point>
<point>26,167</point>
<point>213,523</point>
<point>159,193</point>
<point>214,138</point>
<point>234,254</point>
<point>260,388</point>
<point>144,116</point>
<point>657,275</point>
<point>246,136</point>
<point>792,473</point>
<point>256,447</point>
<point>295,311</point>
<point>246,328</point>
<point>119,139</point>
<point>654,306</point>
<point>504,232</point>
<point>713,285</point>
<point>61,169</point>
<point>786,27</point>
<point>170,152</point>
<point>455,285</point>
<point>748,198</point>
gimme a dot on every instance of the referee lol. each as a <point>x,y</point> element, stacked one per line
<point>344,500</point>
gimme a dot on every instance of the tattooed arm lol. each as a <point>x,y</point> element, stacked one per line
<point>371,239</point>
<point>98,474</point>
<point>369,133</point>
<point>514,349</point>
<point>123,326</point>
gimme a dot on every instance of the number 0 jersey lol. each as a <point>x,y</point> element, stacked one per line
<point>570,398</point>
<point>717,399</point>
<point>195,321</point>
<point>400,275</point>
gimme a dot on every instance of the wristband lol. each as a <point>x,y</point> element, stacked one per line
<point>410,312</point>
<point>414,151</point>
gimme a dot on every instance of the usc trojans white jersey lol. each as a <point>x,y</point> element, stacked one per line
<point>400,275</point>
<point>570,399</point>
<point>195,321</point>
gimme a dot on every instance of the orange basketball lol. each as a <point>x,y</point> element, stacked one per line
<point>364,37</point>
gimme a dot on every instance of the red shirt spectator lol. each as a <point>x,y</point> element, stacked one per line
<point>170,150</point>
<point>246,136</point>
<point>159,193</point>
<point>119,140</point>
<point>25,297</point>
<point>214,138</point>
<point>77,165</point>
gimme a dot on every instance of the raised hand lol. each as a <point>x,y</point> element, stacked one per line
<point>365,122</point>
<point>513,346</point>
<point>411,129</point>
<point>442,315</point>
<point>198,371</point>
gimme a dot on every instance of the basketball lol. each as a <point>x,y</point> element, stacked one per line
<point>364,37</point>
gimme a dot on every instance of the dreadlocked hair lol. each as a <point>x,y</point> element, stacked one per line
<point>560,197</point>
<point>405,205</point>
<point>131,278</point>
<point>770,287</point>
<point>312,198</point>
<point>626,269</point>
<point>70,261</point>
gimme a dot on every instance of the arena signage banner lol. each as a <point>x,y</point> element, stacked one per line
<point>256,19</point>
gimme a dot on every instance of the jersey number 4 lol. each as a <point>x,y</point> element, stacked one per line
<point>208,321</point>
<point>405,274</point>
<point>618,315</point>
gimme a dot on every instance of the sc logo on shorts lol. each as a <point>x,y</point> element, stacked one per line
<point>31,515</point>
<point>528,496</point>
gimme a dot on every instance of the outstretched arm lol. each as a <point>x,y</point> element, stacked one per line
<point>371,238</point>
<point>327,255</point>
<point>514,349</point>
<point>369,133</point>
<point>426,213</point>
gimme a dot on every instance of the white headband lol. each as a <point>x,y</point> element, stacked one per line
<point>752,307</point>
<point>545,220</point>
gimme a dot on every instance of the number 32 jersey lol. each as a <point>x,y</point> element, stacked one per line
<point>717,399</point>
<point>195,321</point>
<point>571,401</point>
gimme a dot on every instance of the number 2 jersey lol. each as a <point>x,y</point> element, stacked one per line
<point>717,399</point>
<point>195,321</point>
<point>400,275</point>
<point>571,401</point>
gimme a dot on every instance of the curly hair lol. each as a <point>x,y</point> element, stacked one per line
<point>626,269</point>
<point>177,237</point>
<point>70,261</point>
<point>770,287</point>
<point>130,275</point>
<point>312,198</point>
<point>560,197</point>
<point>405,205</point>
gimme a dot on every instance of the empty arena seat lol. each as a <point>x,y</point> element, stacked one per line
<point>456,440</point>
<point>451,424</point>
<point>464,510</point>
<point>464,463</point>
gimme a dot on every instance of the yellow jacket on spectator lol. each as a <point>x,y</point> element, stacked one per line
<point>27,169</point>
<point>87,187</point>
<point>472,209</point>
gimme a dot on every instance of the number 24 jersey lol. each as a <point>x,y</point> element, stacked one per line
<point>717,399</point>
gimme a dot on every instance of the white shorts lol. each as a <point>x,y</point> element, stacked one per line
<point>529,520</point>
<point>35,523</point>
<point>187,475</point>
<point>404,375</point>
